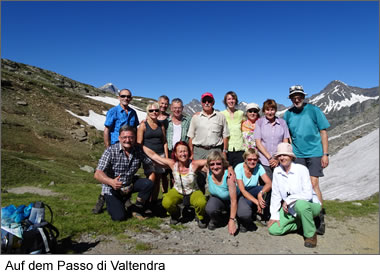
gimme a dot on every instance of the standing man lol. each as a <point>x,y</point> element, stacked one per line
<point>208,132</point>
<point>307,125</point>
<point>116,169</point>
<point>178,126</point>
<point>117,117</point>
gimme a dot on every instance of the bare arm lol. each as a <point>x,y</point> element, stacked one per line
<point>233,199</point>
<point>225,146</point>
<point>325,147</point>
<point>267,187</point>
<point>199,163</point>
<point>166,150</point>
<point>106,136</point>
<point>191,148</point>
<point>140,133</point>
<point>160,160</point>
<point>104,179</point>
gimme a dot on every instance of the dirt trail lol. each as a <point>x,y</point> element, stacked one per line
<point>353,236</point>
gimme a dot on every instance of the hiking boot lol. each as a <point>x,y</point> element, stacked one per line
<point>243,229</point>
<point>128,203</point>
<point>321,226</point>
<point>311,242</point>
<point>211,225</point>
<point>138,210</point>
<point>202,223</point>
<point>174,221</point>
<point>99,205</point>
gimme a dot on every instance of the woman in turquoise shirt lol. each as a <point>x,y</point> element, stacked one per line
<point>222,187</point>
<point>253,196</point>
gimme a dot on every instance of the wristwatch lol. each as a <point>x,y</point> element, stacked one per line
<point>326,154</point>
<point>225,151</point>
<point>234,219</point>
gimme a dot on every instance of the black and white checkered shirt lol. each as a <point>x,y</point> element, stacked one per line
<point>114,162</point>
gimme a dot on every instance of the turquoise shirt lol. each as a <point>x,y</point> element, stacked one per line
<point>220,191</point>
<point>305,127</point>
<point>252,182</point>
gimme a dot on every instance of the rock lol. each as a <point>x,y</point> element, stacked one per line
<point>87,168</point>
<point>357,203</point>
<point>79,134</point>
<point>75,122</point>
<point>22,103</point>
<point>51,184</point>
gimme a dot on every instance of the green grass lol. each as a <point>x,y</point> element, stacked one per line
<point>140,246</point>
<point>341,210</point>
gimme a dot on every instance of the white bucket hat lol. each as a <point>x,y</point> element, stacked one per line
<point>252,106</point>
<point>284,149</point>
<point>296,89</point>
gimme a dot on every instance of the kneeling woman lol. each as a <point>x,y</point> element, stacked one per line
<point>222,187</point>
<point>252,200</point>
<point>294,204</point>
<point>185,185</point>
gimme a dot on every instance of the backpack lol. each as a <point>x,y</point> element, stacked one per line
<point>32,235</point>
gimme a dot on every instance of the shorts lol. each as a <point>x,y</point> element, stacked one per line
<point>313,164</point>
<point>156,168</point>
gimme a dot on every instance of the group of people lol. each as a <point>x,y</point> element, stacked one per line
<point>232,166</point>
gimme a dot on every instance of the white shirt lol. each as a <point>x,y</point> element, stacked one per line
<point>290,187</point>
<point>176,133</point>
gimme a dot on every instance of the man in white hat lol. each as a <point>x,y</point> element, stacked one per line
<point>294,204</point>
<point>307,126</point>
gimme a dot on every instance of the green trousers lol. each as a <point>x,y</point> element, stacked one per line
<point>306,211</point>
<point>172,198</point>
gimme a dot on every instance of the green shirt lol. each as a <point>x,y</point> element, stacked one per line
<point>235,141</point>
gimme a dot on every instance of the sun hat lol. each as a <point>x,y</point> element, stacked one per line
<point>252,106</point>
<point>296,89</point>
<point>284,149</point>
<point>207,94</point>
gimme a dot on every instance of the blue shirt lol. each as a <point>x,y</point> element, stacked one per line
<point>116,118</point>
<point>220,191</point>
<point>305,127</point>
<point>252,182</point>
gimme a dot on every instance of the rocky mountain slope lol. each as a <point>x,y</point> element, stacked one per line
<point>341,102</point>
<point>37,127</point>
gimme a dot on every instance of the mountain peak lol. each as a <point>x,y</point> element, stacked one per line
<point>110,88</point>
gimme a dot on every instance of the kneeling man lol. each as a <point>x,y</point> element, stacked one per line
<point>294,203</point>
<point>116,169</point>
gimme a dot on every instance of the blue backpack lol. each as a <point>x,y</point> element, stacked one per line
<point>24,230</point>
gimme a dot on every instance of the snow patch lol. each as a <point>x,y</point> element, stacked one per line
<point>332,106</point>
<point>353,173</point>
<point>115,101</point>
<point>94,119</point>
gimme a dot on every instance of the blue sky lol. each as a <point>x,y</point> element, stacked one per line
<point>183,49</point>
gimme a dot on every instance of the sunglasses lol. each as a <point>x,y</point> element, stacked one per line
<point>207,99</point>
<point>154,110</point>
<point>253,111</point>
<point>216,164</point>
<point>125,96</point>
<point>252,159</point>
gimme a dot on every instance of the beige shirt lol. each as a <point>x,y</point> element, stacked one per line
<point>208,130</point>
